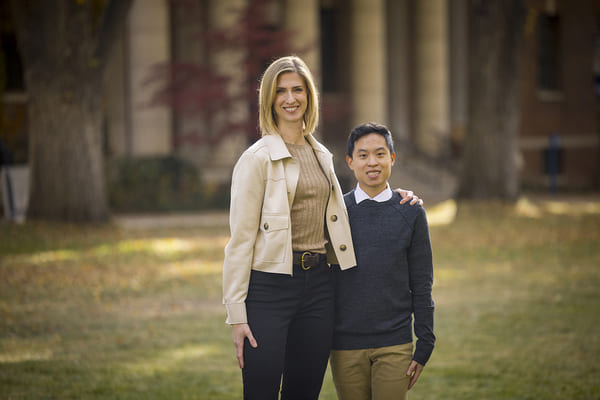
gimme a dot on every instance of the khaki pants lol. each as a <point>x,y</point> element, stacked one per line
<point>372,374</point>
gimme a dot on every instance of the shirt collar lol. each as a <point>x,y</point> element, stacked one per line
<point>360,195</point>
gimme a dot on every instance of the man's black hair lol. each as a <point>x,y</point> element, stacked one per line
<point>367,128</point>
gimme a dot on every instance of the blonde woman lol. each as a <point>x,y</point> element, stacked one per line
<point>288,224</point>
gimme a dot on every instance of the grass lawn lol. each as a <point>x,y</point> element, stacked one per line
<point>108,313</point>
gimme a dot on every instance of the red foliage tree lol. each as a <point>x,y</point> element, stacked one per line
<point>200,88</point>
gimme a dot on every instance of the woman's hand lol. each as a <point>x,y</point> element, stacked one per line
<point>240,332</point>
<point>408,195</point>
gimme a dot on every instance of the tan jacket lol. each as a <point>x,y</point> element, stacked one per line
<point>263,187</point>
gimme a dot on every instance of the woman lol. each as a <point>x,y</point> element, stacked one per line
<point>288,222</point>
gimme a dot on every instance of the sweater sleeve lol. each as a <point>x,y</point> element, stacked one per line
<point>247,193</point>
<point>420,265</point>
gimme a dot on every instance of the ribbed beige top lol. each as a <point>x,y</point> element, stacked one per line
<point>310,201</point>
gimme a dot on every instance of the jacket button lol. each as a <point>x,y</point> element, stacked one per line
<point>266,226</point>
<point>334,218</point>
<point>343,247</point>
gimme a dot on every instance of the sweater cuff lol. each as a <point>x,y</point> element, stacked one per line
<point>422,353</point>
<point>236,313</point>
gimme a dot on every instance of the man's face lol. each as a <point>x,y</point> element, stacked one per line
<point>372,163</point>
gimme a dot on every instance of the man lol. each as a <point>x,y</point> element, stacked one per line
<point>372,356</point>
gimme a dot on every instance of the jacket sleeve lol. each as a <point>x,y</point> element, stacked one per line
<point>421,281</point>
<point>247,193</point>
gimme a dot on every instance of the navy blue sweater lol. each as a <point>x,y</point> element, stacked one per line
<point>377,300</point>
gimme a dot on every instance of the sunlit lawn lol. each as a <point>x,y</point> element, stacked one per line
<point>108,313</point>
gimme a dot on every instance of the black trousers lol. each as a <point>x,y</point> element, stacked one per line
<point>291,318</point>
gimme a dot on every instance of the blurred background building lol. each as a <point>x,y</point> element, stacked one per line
<point>400,62</point>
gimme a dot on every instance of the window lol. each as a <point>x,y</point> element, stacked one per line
<point>13,68</point>
<point>548,57</point>
<point>329,55</point>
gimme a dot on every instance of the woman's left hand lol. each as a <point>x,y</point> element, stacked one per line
<point>408,195</point>
<point>241,332</point>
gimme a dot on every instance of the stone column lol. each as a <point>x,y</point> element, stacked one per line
<point>148,37</point>
<point>369,83</point>
<point>302,19</point>
<point>399,68</point>
<point>432,76</point>
<point>116,106</point>
<point>188,20</point>
<point>459,85</point>
<point>224,15</point>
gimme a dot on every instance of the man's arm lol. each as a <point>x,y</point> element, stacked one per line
<point>420,265</point>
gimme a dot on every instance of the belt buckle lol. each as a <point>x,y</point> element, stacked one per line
<point>302,259</point>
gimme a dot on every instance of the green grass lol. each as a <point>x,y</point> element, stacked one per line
<point>106,313</point>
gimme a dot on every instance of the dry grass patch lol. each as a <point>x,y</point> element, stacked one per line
<point>103,312</point>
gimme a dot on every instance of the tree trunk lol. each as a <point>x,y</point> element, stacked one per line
<point>490,155</point>
<point>60,47</point>
<point>65,153</point>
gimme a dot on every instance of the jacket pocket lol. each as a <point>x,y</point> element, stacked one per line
<point>272,238</point>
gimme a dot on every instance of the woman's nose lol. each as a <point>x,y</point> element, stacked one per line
<point>289,96</point>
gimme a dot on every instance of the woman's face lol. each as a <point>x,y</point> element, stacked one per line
<point>290,98</point>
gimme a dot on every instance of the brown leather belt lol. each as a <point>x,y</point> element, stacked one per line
<point>307,259</point>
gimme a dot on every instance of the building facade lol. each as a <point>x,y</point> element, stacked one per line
<point>400,62</point>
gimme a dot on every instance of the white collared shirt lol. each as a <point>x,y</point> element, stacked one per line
<point>360,195</point>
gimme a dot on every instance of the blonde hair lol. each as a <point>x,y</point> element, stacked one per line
<point>266,95</point>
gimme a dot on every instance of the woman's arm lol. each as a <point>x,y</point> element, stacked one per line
<point>408,195</point>
<point>247,193</point>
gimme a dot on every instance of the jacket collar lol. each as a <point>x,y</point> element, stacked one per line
<point>278,150</point>
<point>316,145</point>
